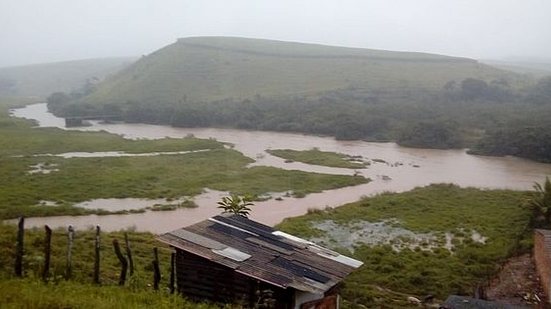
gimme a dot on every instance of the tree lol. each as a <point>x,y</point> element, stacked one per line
<point>438,134</point>
<point>236,204</point>
<point>473,88</point>
<point>540,203</point>
<point>541,93</point>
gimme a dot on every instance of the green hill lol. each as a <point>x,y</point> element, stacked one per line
<point>42,79</point>
<point>215,68</point>
<point>415,99</point>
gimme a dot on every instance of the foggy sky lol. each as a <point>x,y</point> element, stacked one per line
<point>36,31</point>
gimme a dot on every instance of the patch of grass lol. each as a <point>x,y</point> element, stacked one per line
<point>166,207</point>
<point>496,214</point>
<point>317,157</point>
<point>170,176</point>
<point>79,292</point>
<point>18,293</point>
<point>83,255</point>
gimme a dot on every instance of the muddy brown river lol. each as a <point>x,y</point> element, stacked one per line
<point>403,169</point>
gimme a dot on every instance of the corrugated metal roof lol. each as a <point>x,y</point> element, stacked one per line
<point>258,251</point>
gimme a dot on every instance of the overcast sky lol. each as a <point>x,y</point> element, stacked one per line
<point>35,31</point>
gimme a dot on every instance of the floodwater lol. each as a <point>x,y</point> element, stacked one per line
<point>403,169</point>
<point>108,154</point>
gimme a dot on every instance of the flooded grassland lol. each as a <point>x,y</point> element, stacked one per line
<point>290,184</point>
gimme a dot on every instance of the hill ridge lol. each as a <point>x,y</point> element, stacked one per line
<point>205,69</point>
<point>421,56</point>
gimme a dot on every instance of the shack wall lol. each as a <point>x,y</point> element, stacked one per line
<point>200,279</point>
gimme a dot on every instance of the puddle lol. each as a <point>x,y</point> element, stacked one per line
<point>476,237</point>
<point>107,154</point>
<point>120,204</point>
<point>385,232</point>
<point>47,203</point>
<point>42,168</point>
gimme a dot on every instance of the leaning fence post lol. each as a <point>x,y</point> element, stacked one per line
<point>19,247</point>
<point>129,254</point>
<point>172,271</point>
<point>96,255</point>
<point>69,265</point>
<point>156,270</point>
<point>124,263</point>
<point>47,251</point>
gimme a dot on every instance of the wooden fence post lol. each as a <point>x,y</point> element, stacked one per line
<point>47,252</point>
<point>19,247</point>
<point>156,269</point>
<point>69,265</point>
<point>129,254</point>
<point>122,259</point>
<point>172,271</point>
<point>97,255</point>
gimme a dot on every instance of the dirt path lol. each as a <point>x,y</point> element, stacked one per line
<point>517,283</point>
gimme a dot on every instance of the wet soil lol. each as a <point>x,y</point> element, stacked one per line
<point>518,283</point>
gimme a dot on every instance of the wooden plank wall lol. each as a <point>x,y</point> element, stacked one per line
<point>200,279</point>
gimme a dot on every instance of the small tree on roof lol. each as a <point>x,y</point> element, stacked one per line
<point>236,204</point>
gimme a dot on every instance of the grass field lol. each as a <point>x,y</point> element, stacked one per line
<point>318,157</point>
<point>389,275</point>
<point>33,294</point>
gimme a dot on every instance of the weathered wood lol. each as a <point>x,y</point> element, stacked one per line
<point>97,247</point>
<point>200,279</point>
<point>172,272</point>
<point>47,252</point>
<point>19,247</point>
<point>69,262</point>
<point>129,254</point>
<point>122,259</point>
<point>156,269</point>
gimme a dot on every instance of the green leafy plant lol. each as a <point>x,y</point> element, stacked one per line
<point>236,204</point>
<point>540,203</point>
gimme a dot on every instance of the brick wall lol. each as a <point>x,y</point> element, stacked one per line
<point>542,256</point>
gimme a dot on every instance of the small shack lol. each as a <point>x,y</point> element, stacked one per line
<point>232,259</point>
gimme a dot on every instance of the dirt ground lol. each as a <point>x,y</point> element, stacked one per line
<point>518,284</point>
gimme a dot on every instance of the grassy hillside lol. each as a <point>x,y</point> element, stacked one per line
<point>42,79</point>
<point>214,68</point>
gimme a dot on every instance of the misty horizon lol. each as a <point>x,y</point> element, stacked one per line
<point>62,30</point>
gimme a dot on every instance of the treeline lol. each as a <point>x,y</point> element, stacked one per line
<point>471,113</point>
<point>525,141</point>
